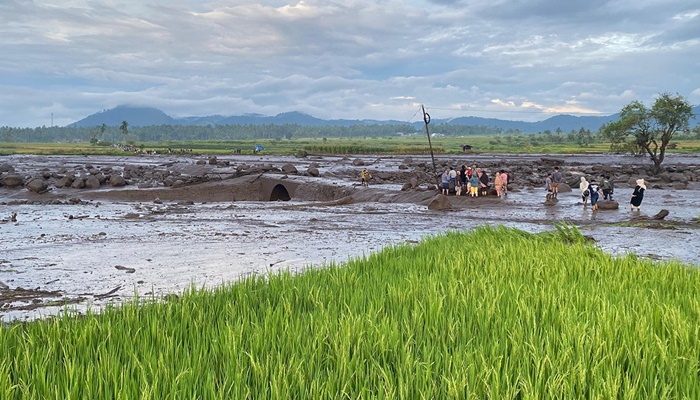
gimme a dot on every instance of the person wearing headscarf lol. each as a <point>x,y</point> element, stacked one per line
<point>583,186</point>
<point>638,195</point>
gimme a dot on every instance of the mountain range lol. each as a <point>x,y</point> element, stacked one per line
<point>148,116</point>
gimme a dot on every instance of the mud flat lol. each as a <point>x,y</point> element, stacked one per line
<point>177,221</point>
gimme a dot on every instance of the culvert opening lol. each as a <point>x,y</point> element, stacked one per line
<point>279,192</point>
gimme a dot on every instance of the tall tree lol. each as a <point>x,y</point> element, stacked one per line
<point>125,130</point>
<point>649,130</point>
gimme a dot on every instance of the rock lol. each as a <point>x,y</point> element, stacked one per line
<point>406,186</point>
<point>92,182</point>
<point>414,183</point>
<point>201,162</point>
<point>37,185</point>
<point>117,180</point>
<point>313,171</point>
<point>12,180</point>
<point>358,162</point>
<point>64,182</point>
<point>403,166</point>
<point>78,183</point>
<point>564,188</point>
<point>407,161</point>
<point>178,183</point>
<point>6,168</point>
<point>680,186</point>
<point>439,203</point>
<point>608,205</point>
<point>212,161</point>
<point>314,165</point>
<point>661,215</point>
<point>289,169</point>
<point>551,202</point>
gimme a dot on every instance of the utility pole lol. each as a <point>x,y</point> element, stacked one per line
<point>426,119</point>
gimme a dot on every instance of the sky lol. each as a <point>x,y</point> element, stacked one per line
<point>528,60</point>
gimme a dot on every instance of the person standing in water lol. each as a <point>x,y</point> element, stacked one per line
<point>556,178</point>
<point>583,187</point>
<point>596,193</point>
<point>638,195</point>
<point>445,181</point>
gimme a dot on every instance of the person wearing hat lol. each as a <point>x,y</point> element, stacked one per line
<point>638,195</point>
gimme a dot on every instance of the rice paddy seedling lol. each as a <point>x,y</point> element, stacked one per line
<point>490,313</point>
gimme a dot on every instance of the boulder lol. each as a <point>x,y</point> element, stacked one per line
<point>608,205</point>
<point>564,188</point>
<point>358,162</point>
<point>6,168</point>
<point>661,215</point>
<point>37,185</point>
<point>439,203</point>
<point>313,171</point>
<point>212,161</point>
<point>117,180</point>
<point>92,182</point>
<point>78,183</point>
<point>64,182</point>
<point>289,169</point>
<point>12,180</point>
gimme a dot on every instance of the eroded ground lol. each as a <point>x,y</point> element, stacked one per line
<point>85,248</point>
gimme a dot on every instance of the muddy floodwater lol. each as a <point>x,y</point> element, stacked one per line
<point>88,247</point>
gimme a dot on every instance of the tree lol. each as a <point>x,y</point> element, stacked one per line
<point>649,130</point>
<point>125,130</point>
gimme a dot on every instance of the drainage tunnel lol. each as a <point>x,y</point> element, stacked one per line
<point>279,192</point>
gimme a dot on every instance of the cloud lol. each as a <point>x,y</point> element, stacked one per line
<point>343,59</point>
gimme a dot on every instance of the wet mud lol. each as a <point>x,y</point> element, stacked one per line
<point>84,248</point>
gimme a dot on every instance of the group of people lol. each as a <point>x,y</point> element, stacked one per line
<point>472,181</point>
<point>605,190</point>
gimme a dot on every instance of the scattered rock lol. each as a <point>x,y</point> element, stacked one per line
<point>12,180</point>
<point>608,205</point>
<point>37,185</point>
<point>439,203</point>
<point>125,269</point>
<point>313,171</point>
<point>78,183</point>
<point>6,168</point>
<point>661,215</point>
<point>92,182</point>
<point>289,169</point>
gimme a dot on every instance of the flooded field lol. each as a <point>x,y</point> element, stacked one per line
<point>86,248</point>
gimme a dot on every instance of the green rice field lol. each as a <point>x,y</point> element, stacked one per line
<point>418,144</point>
<point>490,313</point>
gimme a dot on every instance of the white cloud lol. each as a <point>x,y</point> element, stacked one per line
<point>343,59</point>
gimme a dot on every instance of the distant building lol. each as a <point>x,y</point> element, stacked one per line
<point>466,148</point>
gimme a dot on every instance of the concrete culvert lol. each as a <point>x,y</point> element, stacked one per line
<point>279,192</point>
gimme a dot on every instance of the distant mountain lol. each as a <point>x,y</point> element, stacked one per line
<point>146,116</point>
<point>134,116</point>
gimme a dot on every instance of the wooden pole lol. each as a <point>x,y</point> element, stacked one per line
<point>426,119</point>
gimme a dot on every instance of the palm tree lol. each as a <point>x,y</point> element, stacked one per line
<point>125,130</point>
